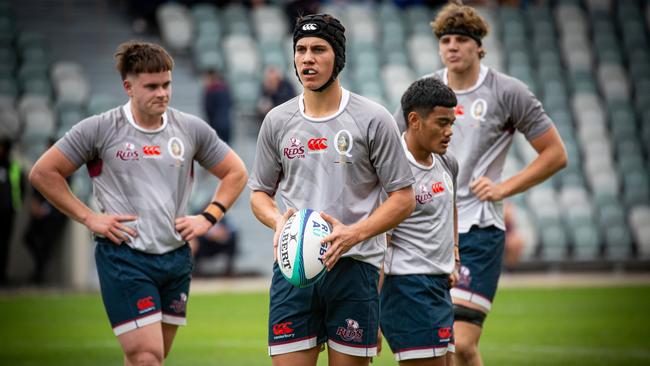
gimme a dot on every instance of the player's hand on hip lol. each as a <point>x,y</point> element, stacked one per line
<point>111,226</point>
<point>341,239</point>
<point>191,227</point>
<point>279,224</point>
<point>453,278</point>
<point>486,190</point>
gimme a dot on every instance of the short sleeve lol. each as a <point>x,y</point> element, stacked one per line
<point>79,144</point>
<point>387,154</point>
<point>267,168</point>
<point>527,114</point>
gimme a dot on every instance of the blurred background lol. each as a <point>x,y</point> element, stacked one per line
<point>588,61</point>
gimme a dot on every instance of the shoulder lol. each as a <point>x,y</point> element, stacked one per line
<point>450,162</point>
<point>283,111</point>
<point>507,85</point>
<point>359,106</point>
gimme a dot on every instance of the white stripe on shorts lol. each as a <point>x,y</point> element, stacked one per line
<point>292,346</point>
<point>354,351</point>
<point>424,352</point>
<point>472,297</point>
<point>137,323</point>
<point>173,319</point>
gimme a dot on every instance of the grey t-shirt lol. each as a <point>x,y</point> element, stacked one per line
<point>424,242</point>
<point>487,116</point>
<point>144,173</point>
<point>337,164</point>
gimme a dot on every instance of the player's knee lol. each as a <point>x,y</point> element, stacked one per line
<point>145,358</point>
<point>465,314</point>
<point>466,350</point>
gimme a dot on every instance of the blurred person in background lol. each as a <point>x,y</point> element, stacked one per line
<point>221,239</point>
<point>140,157</point>
<point>275,91</point>
<point>217,104</point>
<point>43,233</point>
<point>515,243</point>
<point>12,193</point>
<point>491,107</point>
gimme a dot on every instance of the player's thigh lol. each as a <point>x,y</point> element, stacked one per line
<point>169,333</point>
<point>307,357</point>
<point>431,361</point>
<point>336,358</point>
<point>175,284</point>
<point>146,339</point>
<point>467,334</point>
<point>352,307</point>
<point>417,316</point>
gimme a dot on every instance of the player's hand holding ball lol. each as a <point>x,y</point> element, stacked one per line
<point>341,239</point>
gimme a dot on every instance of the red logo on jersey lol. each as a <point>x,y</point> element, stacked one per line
<point>444,333</point>
<point>296,150</point>
<point>282,328</point>
<point>437,187</point>
<point>151,151</point>
<point>318,144</point>
<point>145,304</point>
<point>458,111</point>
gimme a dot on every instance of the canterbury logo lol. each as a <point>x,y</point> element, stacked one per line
<point>309,27</point>
<point>151,150</point>
<point>437,187</point>
<point>317,144</point>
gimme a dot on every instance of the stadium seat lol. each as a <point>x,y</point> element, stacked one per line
<point>176,26</point>
<point>618,241</point>
<point>639,218</point>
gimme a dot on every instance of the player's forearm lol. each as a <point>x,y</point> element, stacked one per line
<point>56,190</point>
<point>231,186</point>
<point>547,163</point>
<point>265,209</point>
<point>399,205</point>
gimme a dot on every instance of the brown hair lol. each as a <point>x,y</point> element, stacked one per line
<point>135,57</point>
<point>455,17</point>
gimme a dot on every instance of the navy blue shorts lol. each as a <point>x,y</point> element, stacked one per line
<point>139,288</point>
<point>417,316</point>
<point>342,308</point>
<point>481,254</point>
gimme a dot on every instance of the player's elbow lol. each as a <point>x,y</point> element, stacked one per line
<point>562,158</point>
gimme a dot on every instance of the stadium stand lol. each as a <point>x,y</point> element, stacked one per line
<point>587,60</point>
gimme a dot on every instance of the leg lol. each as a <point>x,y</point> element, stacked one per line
<point>432,361</point>
<point>169,332</point>
<point>467,337</point>
<point>307,357</point>
<point>143,346</point>
<point>341,359</point>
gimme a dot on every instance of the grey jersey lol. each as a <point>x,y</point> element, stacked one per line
<point>424,242</point>
<point>144,173</point>
<point>338,164</point>
<point>487,116</point>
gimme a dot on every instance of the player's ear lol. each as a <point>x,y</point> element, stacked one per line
<point>414,120</point>
<point>127,84</point>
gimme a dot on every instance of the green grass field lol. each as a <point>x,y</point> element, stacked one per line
<point>559,327</point>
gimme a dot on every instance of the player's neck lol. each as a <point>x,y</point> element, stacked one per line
<point>325,103</point>
<point>465,79</point>
<point>146,121</point>
<point>419,154</point>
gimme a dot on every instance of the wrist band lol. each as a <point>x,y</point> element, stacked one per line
<point>220,205</point>
<point>208,216</point>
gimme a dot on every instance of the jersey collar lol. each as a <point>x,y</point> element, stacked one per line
<point>482,74</point>
<point>411,158</point>
<point>129,116</point>
<point>345,97</point>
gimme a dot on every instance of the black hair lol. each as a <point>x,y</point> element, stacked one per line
<point>423,95</point>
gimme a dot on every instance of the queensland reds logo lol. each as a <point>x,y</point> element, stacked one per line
<point>180,305</point>
<point>151,152</point>
<point>128,153</point>
<point>317,145</point>
<point>351,333</point>
<point>295,150</point>
<point>464,277</point>
<point>423,196</point>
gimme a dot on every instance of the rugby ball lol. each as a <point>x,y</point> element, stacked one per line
<point>299,248</point>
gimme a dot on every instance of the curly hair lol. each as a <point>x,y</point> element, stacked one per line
<point>455,18</point>
<point>135,57</point>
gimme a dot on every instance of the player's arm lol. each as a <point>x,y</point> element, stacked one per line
<point>267,212</point>
<point>232,174</point>
<point>552,157</point>
<point>49,175</point>
<point>399,205</point>
<point>453,277</point>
